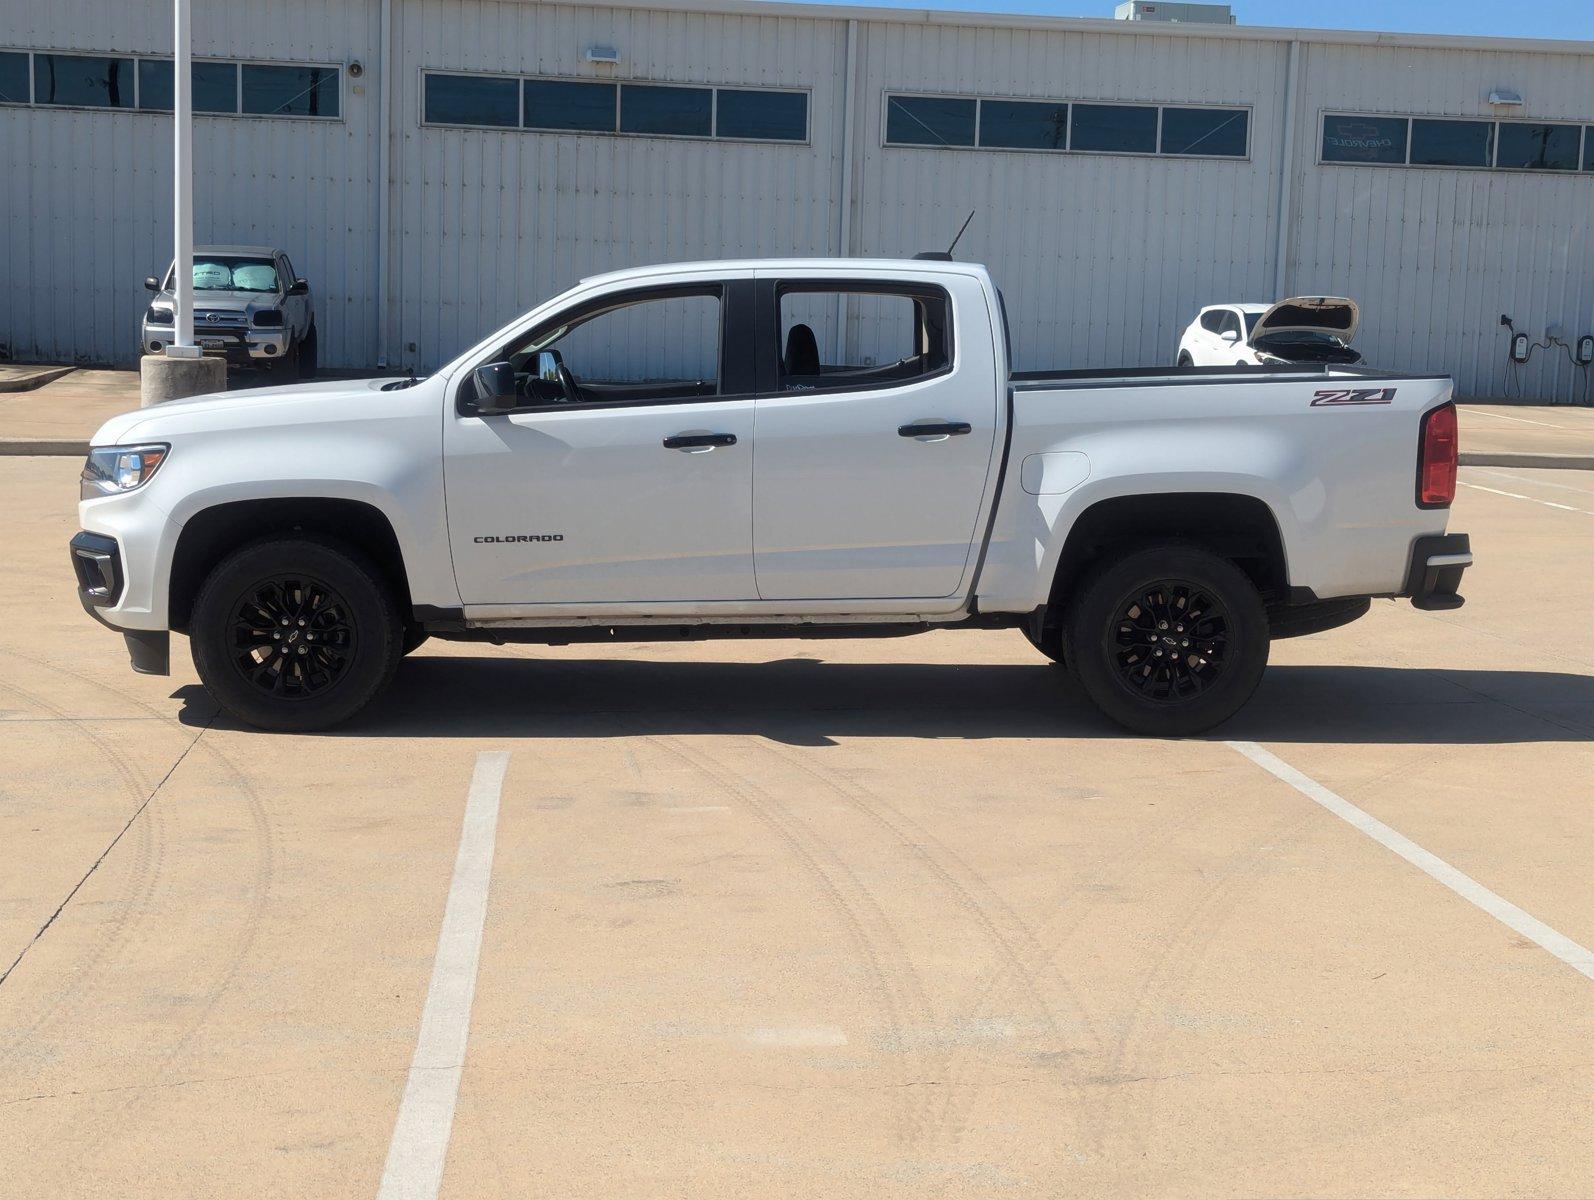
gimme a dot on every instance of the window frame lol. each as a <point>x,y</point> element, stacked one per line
<point>770,350</point>
<point>619,85</point>
<point>889,93</point>
<point>735,366</point>
<point>1586,144</point>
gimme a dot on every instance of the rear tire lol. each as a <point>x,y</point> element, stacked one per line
<point>295,633</point>
<point>1185,360</point>
<point>1168,640</point>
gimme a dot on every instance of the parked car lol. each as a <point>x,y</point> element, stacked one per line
<point>584,475</point>
<point>249,306</point>
<point>1305,329</point>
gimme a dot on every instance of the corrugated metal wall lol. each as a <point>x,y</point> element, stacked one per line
<point>1103,259</point>
<point>85,195</point>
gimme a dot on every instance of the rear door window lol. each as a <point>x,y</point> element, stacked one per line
<point>836,339</point>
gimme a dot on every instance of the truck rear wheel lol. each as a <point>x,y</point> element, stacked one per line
<point>295,633</point>
<point>1168,640</point>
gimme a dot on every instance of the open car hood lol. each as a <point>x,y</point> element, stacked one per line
<point>1331,315</point>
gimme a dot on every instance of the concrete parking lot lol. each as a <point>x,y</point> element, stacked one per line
<point>896,918</point>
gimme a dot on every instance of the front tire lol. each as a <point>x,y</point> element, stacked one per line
<point>1168,640</point>
<point>295,633</point>
<point>309,354</point>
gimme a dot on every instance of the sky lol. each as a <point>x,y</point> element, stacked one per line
<point>1561,19</point>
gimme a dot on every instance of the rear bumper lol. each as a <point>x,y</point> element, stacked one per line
<point>1433,576</point>
<point>97,564</point>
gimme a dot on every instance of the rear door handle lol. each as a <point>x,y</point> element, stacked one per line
<point>696,443</point>
<point>935,429</point>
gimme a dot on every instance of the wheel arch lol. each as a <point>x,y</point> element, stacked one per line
<point>213,532</point>
<point>1235,525</point>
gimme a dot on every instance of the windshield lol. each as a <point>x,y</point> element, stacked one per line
<point>232,273</point>
<point>1250,323</point>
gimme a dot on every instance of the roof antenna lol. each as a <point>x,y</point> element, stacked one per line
<point>946,255</point>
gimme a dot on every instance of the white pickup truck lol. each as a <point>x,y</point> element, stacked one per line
<point>769,449</point>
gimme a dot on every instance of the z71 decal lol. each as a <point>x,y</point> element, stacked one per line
<point>1354,396</point>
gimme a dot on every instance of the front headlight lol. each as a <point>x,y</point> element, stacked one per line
<point>268,318</point>
<point>159,316</point>
<point>112,470</point>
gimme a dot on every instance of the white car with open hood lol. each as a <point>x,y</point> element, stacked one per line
<point>725,449</point>
<point>1303,329</point>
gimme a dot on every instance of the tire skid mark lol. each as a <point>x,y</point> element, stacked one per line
<point>134,888</point>
<point>895,983</point>
<point>1170,972</point>
<point>1022,957</point>
<point>261,884</point>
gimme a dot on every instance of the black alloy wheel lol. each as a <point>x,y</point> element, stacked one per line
<point>293,636</point>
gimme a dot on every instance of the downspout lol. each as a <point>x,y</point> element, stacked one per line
<point>844,223</point>
<point>384,183</point>
<point>1286,211</point>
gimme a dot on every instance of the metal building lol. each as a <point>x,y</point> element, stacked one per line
<point>436,166</point>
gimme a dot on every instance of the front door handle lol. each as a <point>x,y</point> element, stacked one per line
<point>935,429</point>
<point>697,443</point>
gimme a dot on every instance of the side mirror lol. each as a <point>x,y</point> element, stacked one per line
<point>1230,335</point>
<point>544,365</point>
<point>151,284</point>
<point>495,388</point>
<point>301,287</point>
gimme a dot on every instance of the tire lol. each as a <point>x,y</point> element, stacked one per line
<point>1185,360</point>
<point>295,585</point>
<point>309,354</point>
<point>288,365</point>
<point>1123,624</point>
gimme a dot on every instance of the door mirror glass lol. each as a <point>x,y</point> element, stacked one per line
<point>544,366</point>
<point>495,387</point>
<point>151,284</point>
<point>300,287</point>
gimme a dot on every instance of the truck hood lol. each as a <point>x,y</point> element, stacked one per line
<point>1333,316</point>
<point>247,406</point>
<point>219,300</point>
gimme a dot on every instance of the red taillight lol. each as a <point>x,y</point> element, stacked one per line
<point>1436,458</point>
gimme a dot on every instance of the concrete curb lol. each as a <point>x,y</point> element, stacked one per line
<point>1549,462</point>
<point>37,379</point>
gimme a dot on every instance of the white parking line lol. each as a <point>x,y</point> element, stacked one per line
<point>1478,412</point>
<point>1564,948</point>
<point>414,1169</point>
<point>1539,483</point>
<point>1478,487</point>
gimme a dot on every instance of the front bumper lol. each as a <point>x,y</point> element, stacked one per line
<point>235,345</point>
<point>1433,576</point>
<point>97,563</point>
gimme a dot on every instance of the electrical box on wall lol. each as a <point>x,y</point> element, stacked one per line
<point>1585,350</point>
<point>1519,348</point>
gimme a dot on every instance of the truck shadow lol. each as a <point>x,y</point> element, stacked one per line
<point>811,703</point>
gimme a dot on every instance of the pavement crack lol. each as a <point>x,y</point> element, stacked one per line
<point>137,812</point>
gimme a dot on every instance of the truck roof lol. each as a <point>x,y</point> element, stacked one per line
<point>842,266</point>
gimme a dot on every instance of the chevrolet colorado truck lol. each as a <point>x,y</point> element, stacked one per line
<point>731,449</point>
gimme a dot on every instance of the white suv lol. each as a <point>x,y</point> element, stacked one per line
<point>1305,329</point>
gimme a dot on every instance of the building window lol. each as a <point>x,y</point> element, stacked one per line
<point>929,121</point>
<point>1452,143</point>
<point>14,79</point>
<point>1588,148</point>
<point>1066,125</point>
<point>1023,125</point>
<point>281,91</point>
<point>214,85</point>
<point>1211,132</point>
<point>1114,129</point>
<point>472,100</point>
<point>670,111</point>
<point>761,116</point>
<point>566,104</point>
<point>1536,147</point>
<point>83,81</point>
<point>1359,139</point>
<point>587,106</point>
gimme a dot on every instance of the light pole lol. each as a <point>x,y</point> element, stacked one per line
<point>182,370</point>
<point>182,344</point>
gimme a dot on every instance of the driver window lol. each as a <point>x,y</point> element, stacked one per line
<point>660,347</point>
<point>837,341</point>
<point>1231,322</point>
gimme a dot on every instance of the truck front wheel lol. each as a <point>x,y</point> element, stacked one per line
<point>1168,640</point>
<point>295,633</point>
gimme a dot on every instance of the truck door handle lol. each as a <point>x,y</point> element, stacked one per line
<point>699,442</point>
<point>935,429</point>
